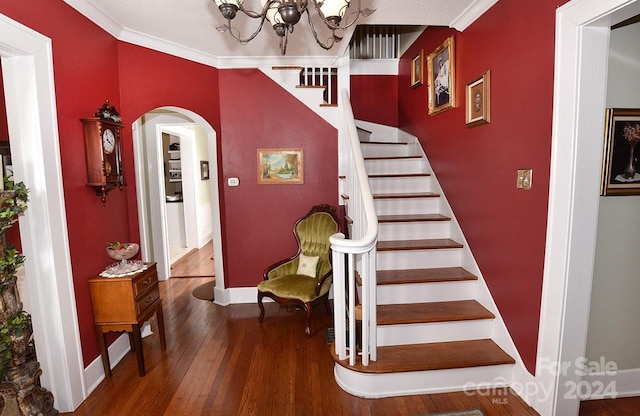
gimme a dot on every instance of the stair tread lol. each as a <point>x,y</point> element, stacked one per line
<point>287,67</point>
<point>433,356</point>
<point>392,157</point>
<point>427,243</point>
<point>429,312</point>
<point>406,195</point>
<point>431,275</point>
<point>412,218</point>
<point>399,175</point>
<point>381,142</point>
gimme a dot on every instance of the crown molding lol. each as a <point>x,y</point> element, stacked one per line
<point>471,14</point>
<point>171,48</point>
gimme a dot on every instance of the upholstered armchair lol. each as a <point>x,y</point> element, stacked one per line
<point>305,278</point>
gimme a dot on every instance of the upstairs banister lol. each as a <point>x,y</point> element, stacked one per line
<point>355,253</point>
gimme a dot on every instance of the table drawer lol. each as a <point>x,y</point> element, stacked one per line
<point>147,300</point>
<point>144,281</point>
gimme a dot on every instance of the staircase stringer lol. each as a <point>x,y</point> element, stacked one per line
<point>500,332</point>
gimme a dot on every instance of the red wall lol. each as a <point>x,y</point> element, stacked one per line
<point>85,74</point>
<point>373,98</point>
<point>505,227</point>
<point>91,66</point>
<point>256,113</point>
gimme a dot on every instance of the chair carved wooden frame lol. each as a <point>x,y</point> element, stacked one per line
<point>286,284</point>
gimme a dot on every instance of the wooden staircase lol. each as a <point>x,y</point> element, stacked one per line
<point>434,333</point>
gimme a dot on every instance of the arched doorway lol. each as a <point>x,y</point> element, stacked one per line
<point>147,139</point>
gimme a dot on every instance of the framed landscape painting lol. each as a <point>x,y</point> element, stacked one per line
<point>280,166</point>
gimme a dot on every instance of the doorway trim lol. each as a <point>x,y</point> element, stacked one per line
<point>27,67</point>
<point>581,56</point>
<point>221,295</point>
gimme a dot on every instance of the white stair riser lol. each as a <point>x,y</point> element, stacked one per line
<point>364,136</point>
<point>403,184</point>
<point>419,259</point>
<point>398,206</point>
<point>424,382</point>
<point>390,166</point>
<point>413,230</point>
<point>386,150</point>
<point>434,332</point>
<point>426,292</point>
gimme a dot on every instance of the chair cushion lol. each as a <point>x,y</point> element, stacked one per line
<point>307,265</point>
<point>295,286</point>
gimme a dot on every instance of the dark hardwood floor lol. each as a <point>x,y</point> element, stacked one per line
<point>221,361</point>
<point>622,406</point>
<point>196,263</point>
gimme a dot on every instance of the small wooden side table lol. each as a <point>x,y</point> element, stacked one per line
<point>123,304</point>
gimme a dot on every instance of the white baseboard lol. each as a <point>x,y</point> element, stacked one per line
<point>623,383</point>
<point>94,372</point>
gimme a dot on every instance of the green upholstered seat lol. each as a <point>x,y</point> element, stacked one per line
<point>285,281</point>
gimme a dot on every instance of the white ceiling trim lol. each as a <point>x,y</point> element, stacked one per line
<point>162,45</point>
<point>472,13</point>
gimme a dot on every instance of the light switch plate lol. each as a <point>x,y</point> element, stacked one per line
<point>524,179</point>
<point>233,181</point>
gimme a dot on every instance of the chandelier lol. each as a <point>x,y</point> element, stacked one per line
<point>284,14</point>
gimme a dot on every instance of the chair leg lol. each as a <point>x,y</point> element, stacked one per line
<point>327,305</point>
<point>260,296</point>
<point>307,309</point>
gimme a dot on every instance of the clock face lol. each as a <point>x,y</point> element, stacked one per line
<point>108,141</point>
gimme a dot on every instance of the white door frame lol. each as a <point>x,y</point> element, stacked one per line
<point>142,190</point>
<point>581,57</point>
<point>27,68</point>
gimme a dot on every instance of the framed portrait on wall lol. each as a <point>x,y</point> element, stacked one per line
<point>441,73</point>
<point>478,100</point>
<point>417,69</point>
<point>620,169</point>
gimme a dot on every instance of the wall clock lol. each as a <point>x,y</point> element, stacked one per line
<point>103,148</point>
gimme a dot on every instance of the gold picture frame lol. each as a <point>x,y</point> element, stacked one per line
<point>441,73</point>
<point>620,175</point>
<point>417,69</point>
<point>280,166</point>
<point>478,100</point>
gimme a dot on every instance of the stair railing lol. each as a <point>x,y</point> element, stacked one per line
<point>356,253</point>
<point>326,77</point>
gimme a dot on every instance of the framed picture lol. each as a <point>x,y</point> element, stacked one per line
<point>441,73</point>
<point>478,99</point>
<point>417,69</point>
<point>620,170</point>
<point>204,170</point>
<point>280,166</point>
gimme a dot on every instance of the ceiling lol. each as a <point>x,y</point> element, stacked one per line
<point>187,28</point>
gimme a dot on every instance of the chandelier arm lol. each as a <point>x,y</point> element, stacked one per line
<point>235,33</point>
<point>331,40</point>
<point>256,15</point>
